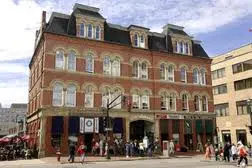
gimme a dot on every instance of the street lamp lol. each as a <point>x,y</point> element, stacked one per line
<point>110,106</point>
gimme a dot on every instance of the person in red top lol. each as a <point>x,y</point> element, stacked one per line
<point>82,150</point>
<point>242,153</point>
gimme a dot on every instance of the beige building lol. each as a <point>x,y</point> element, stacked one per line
<point>232,90</point>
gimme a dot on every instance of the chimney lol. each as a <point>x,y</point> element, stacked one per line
<point>43,21</point>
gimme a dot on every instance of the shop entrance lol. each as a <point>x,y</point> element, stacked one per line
<point>88,137</point>
<point>141,128</point>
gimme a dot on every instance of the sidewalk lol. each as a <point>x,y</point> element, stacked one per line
<point>64,159</point>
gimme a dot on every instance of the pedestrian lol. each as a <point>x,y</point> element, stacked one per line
<point>216,151</point>
<point>208,152</point>
<point>242,153</point>
<point>131,148</point>
<point>71,152</point>
<point>234,152</point>
<point>101,147</point>
<point>250,151</point>
<point>58,153</point>
<point>227,152</point>
<point>171,146</point>
<point>82,151</point>
<point>150,148</point>
<point>127,149</point>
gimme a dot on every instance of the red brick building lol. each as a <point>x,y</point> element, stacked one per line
<point>81,61</point>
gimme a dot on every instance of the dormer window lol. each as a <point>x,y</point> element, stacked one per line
<point>181,47</point>
<point>82,29</point>
<point>136,40</point>
<point>90,31</point>
<point>186,48</point>
<point>97,33</point>
<point>142,45</point>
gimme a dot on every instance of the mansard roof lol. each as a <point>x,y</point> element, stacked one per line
<point>66,25</point>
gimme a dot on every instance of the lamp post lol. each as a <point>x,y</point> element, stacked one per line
<point>110,106</point>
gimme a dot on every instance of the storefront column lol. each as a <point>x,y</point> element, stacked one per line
<point>181,133</point>
<point>127,129</point>
<point>204,141</point>
<point>44,126</point>
<point>170,132</point>
<point>157,129</point>
<point>64,144</point>
<point>194,135</point>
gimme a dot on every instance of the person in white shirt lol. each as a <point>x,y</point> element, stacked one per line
<point>234,152</point>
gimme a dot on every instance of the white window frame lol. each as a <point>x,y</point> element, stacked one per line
<point>170,75</point>
<point>73,66</point>
<point>144,72</point>
<point>107,67</point>
<point>177,47</point>
<point>61,62</point>
<point>202,104</point>
<point>88,27</point>
<point>202,77</point>
<point>186,48</point>
<point>58,94</point>
<point>116,67</point>
<point>198,103</point>
<point>172,96</point>
<point>146,98</point>
<point>92,63</point>
<point>195,70</point>
<point>70,98</point>
<point>134,70</point>
<point>187,104</point>
<point>163,72</point>
<point>82,35</point>
<point>142,41</point>
<point>136,40</point>
<point>181,49</point>
<point>184,74</point>
<point>164,100</point>
<point>136,99</point>
<point>99,33</point>
<point>89,94</point>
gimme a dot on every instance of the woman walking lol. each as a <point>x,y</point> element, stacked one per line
<point>82,150</point>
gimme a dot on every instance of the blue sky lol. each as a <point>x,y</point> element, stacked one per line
<point>221,25</point>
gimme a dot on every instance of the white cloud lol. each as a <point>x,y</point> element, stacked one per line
<point>13,68</point>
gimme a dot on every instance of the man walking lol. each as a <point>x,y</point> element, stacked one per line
<point>71,152</point>
<point>242,153</point>
<point>226,152</point>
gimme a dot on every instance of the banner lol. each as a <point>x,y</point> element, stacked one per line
<point>96,125</point>
<point>82,125</point>
<point>89,125</point>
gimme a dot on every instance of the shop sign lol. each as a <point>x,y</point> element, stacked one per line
<point>170,116</point>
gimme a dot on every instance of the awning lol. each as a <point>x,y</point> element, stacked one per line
<point>209,126</point>
<point>57,125</point>
<point>26,137</point>
<point>5,139</point>
<point>10,136</point>
<point>199,127</point>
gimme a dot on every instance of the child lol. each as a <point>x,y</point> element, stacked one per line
<point>82,150</point>
<point>216,150</point>
<point>221,153</point>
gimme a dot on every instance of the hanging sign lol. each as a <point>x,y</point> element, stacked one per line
<point>89,125</point>
<point>82,125</point>
<point>96,126</point>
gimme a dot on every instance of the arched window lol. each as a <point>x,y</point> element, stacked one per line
<point>135,101</point>
<point>136,40</point>
<point>116,71</point>
<point>97,32</point>
<point>115,94</point>
<point>107,65</point>
<point>71,64</point>
<point>142,41</point>
<point>164,104</point>
<point>172,102</point>
<point>57,94</point>
<point>90,31</point>
<point>202,77</point>
<point>106,96</point>
<point>89,63</point>
<point>82,30</point>
<point>59,59</point>
<point>204,103</point>
<point>170,73</point>
<point>183,75</point>
<point>135,69</point>
<point>177,46</point>
<point>181,47</point>
<point>89,97</point>
<point>145,101</point>
<point>185,102</point>
<point>162,71</point>
<point>70,98</point>
<point>186,48</point>
<point>196,76</point>
<point>196,103</point>
<point>144,71</point>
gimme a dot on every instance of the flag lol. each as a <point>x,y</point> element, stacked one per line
<point>89,125</point>
<point>82,125</point>
<point>96,125</point>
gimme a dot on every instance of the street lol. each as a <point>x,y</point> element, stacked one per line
<point>195,162</point>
